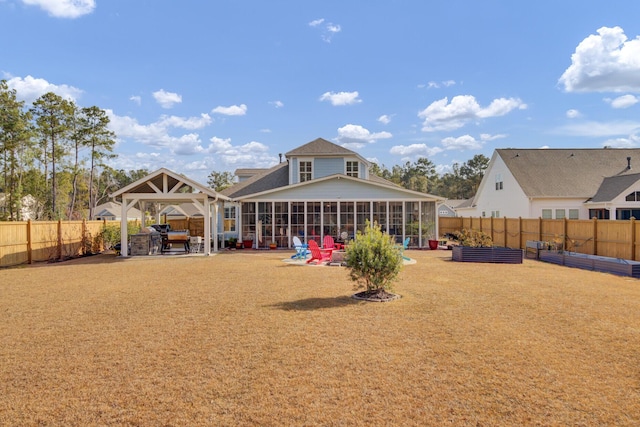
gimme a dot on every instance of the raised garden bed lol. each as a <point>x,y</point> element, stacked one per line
<point>494,255</point>
<point>619,266</point>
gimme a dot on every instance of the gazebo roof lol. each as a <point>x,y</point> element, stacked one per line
<point>167,185</point>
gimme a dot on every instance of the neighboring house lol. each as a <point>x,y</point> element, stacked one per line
<point>448,208</point>
<point>325,189</point>
<point>112,211</point>
<point>30,208</point>
<point>559,183</point>
<point>245,173</point>
<point>181,211</point>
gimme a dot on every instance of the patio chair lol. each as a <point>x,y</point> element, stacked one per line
<point>404,246</point>
<point>318,255</point>
<point>328,243</point>
<point>302,249</point>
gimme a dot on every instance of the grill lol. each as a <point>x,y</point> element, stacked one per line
<point>175,237</point>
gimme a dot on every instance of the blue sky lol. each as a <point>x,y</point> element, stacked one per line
<point>197,86</point>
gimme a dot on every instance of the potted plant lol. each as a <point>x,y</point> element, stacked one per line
<point>273,245</point>
<point>232,242</point>
<point>247,242</point>
<point>429,233</point>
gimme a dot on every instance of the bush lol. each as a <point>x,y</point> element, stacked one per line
<point>110,235</point>
<point>373,259</point>
<point>473,238</point>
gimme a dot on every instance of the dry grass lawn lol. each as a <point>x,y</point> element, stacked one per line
<point>242,338</point>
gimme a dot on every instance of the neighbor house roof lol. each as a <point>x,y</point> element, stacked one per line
<point>613,186</point>
<point>566,172</point>
<point>277,176</point>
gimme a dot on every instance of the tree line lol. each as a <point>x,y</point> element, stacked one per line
<point>52,156</point>
<point>461,183</point>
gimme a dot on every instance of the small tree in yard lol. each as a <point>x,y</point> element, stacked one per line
<point>374,261</point>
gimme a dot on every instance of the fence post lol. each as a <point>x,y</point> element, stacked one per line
<point>539,228</point>
<point>29,245</point>
<point>505,231</point>
<point>564,231</point>
<point>595,236</point>
<point>632,225</point>
<point>60,239</point>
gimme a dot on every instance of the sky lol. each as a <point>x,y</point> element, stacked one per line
<point>202,86</point>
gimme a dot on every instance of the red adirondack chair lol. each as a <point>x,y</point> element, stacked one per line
<point>318,255</point>
<point>328,242</point>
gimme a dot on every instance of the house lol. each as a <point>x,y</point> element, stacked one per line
<point>325,189</point>
<point>449,206</point>
<point>112,211</point>
<point>559,183</point>
<point>30,208</point>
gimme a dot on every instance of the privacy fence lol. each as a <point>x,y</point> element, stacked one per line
<point>617,239</point>
<point>26,242</point>
<point>37,241</point>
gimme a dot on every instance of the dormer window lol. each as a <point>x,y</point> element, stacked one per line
<point>352,169</point>
<point>305,171</point>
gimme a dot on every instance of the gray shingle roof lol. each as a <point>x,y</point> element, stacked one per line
<point>566,172</point>
<point>320,147</point>
<point>613,186</point>
<point>277,176</point>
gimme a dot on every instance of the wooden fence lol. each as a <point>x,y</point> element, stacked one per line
<point>617,239</point>
<point>26,242</point>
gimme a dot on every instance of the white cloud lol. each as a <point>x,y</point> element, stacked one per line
<point>600,129</point>
<point>632,141</point>
<point>233,110</point>
<point>384,119</point>
<point>159,134</point>
<point>328,30</point>
<point>488,137</point>
<point>341,98</point>
<point>136,99</point>
<point>624,101</point>
<point>415,150</point>
<point>64,8</point>
<point>464,142</point>
<point>607,62</point>
<point>185,123</point>
<point>573,114</point>
<point>29,89</point>
<point>277,104</point>
<point>253,153</point>
<point>443,116</point>
<point>166,99</point>
<point>356,136</point>
<point>436,85</point>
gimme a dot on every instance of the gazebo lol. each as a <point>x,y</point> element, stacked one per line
<point>164,187</point>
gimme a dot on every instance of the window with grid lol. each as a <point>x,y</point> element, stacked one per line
<point>560,213</point>
<point>352,169</point>
<point>230,218</point>
<point>499,184</point>
<point>546,213</point>
<point>305,171</point>
<point>574,213</point>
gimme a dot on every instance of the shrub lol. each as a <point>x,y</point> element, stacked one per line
<point>473,238</point>
<point>373,259</point>
<point>110,235</point>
